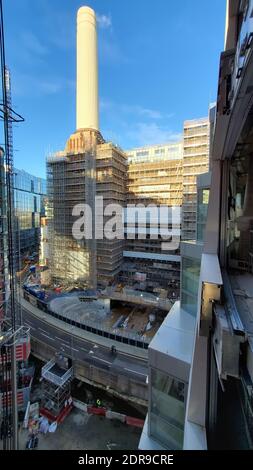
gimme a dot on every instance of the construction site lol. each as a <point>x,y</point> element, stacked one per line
<point>127,314</point>
<point>77,176</point>
<point>91,175</point>
<point>115,290</point>
<point>154,179</point>
<point>91,170</point>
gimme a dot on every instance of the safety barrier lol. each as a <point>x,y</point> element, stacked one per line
<point>113,415</point>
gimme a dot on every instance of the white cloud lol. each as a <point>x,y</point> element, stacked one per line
<point>138,125</point>
<point>134,109</point>
<point>104,21</point>
<point>32,44</point>
<point>110,52</point>
<point>27,85</point>
<point>141,111</point>
<point>150,134</point>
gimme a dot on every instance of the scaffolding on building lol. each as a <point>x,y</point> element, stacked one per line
<point>154,178</point>
<point>90,199</point>
<point>57,376</point>
<point>89,167</point>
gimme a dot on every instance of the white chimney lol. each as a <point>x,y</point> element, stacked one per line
<point>87,70</point>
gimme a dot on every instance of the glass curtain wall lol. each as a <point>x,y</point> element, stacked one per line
<point>168,396</point>
<point>29,201</point>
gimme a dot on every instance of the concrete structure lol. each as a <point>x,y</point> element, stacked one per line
<point>217,357</point>
<point>122,375</point>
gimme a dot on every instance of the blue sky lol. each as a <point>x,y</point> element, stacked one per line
<point>158,65</point>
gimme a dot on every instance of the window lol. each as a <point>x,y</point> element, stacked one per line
<point>142,153</point>
<point>203,200</point>
<point>167,414</point>
<point>190,284</point>
<point>159,151</point>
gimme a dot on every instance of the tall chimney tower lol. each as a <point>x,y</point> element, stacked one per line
<point>87,70</point>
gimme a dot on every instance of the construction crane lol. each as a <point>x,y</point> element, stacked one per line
<point>9,333</point>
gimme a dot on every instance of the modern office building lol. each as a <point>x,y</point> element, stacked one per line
<point>201,360</point>
<point>29,202</point>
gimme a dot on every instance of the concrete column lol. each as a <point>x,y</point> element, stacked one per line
<point>87,70</point>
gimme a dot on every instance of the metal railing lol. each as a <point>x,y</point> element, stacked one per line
<point>55,379</point>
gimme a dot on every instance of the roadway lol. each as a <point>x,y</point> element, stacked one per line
<point>82,349</point>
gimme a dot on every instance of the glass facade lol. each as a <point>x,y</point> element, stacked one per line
<point>203,200</point>
<point>168,397</point>
<point>190,284</point>
<point>29,201</point>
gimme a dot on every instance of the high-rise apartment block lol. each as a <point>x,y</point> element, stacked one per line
<point>195,162</point>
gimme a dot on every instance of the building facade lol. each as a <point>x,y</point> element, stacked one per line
<point>208,366</point>
<point>29,202</point>
<point>85,261</point>
<point>154,179</point>
<point>195,162</point>
<point>164,175</point>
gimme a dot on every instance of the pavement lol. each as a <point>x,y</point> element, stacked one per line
<point>63,337</point>
<point>81,431</point>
